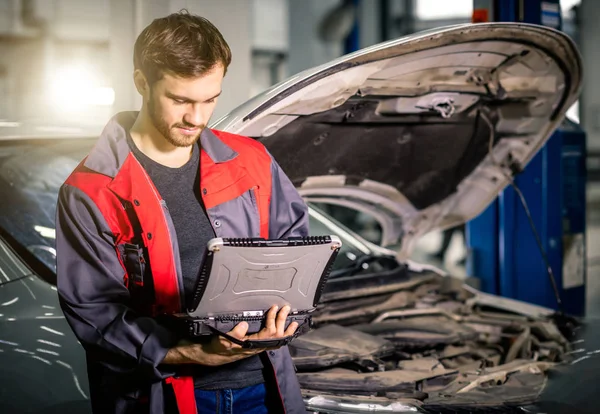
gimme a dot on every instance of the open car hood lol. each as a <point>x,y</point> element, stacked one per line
<point>422,132</point>
<point>431,343</point>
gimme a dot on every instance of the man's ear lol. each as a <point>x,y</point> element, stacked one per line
<point>141,84</point>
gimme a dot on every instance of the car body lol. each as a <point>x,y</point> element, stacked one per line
<point>422,133</point>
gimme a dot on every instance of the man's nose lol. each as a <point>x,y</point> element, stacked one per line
<point>194,115</point>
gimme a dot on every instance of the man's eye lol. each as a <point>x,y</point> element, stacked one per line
<point>178,101</point>
<point>211,101</point>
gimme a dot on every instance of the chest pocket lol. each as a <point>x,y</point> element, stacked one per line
<point>220,185</point>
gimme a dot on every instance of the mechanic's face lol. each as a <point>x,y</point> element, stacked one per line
<point>180,108</point>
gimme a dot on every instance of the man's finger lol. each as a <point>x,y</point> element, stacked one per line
<point>239,331</point>
<point>281,319</point>
<point>270,327</point>
<point>291,329</point>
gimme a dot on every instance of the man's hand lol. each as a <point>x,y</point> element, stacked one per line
<point>221,351</point>
<point>274,329</point>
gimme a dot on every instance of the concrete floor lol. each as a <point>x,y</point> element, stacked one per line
<point>430,244</point>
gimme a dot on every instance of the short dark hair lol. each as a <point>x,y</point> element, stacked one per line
<point>180,44</point>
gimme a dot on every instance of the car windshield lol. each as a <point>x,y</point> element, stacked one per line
<point>32,171</point>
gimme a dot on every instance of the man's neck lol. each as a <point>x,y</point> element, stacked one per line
<point>151,142</point>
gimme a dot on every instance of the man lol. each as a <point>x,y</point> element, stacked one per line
<point>132,223</point>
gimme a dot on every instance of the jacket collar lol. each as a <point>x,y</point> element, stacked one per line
<point>111,149</point>
<point>215,148</point>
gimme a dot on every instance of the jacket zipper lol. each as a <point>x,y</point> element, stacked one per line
<point>254,197</point>
<point>160,201</point>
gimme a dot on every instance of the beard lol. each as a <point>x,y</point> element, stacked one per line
<point>170,132</point>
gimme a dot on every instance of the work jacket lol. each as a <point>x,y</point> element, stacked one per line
<point>118,263</point>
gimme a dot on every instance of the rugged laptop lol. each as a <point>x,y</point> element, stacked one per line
<point>242,278</point>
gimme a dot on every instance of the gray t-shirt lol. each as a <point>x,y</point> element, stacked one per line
<point>180,189</point>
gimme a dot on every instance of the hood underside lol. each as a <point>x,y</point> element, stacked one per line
<point>424,131</point>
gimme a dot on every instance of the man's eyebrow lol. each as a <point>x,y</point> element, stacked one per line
<point>178,97</point>
<point>216,96</point>
<point>186,99</point>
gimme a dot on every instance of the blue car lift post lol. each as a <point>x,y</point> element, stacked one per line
<point>503,253</point>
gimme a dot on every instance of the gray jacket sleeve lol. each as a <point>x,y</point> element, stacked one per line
<point>94,297</point>
<point>288,216</point>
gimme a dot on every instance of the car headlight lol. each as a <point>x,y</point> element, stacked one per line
<point>331,406</point>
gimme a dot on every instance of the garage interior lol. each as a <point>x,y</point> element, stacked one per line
<point>81,50</point>
<point>65,67</point>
